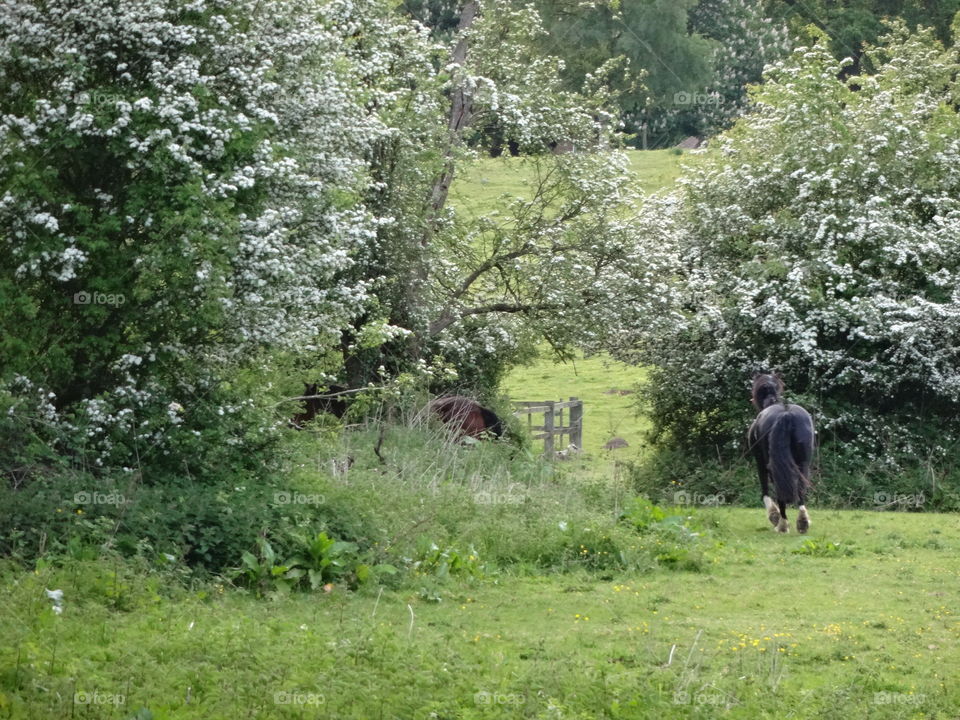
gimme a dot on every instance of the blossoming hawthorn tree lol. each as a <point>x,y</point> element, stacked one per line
<point>534,267</point>
<point>194,192</point>
<point>821,237</point>
<point>472,292</point>
<point>179,193</point>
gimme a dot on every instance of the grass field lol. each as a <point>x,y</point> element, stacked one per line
<point>858,619</point>
<point>483,186</point>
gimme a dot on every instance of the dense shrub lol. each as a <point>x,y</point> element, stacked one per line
<point>841,479</point>
<point>179,198</point>
<point>821,236</point>
<point>376,503</point>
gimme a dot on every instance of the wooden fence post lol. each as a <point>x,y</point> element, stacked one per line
<point>548,430</point>
<point>576,424</point>
<point>551,427</point>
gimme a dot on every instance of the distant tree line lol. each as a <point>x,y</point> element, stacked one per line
<point>685,64</point>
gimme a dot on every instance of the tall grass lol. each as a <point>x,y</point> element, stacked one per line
<point>408,491</point>
<point>390,498</point>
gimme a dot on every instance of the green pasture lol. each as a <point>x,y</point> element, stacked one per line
<point>485,185</point>
<point>606,388</point>
<point>857,619</point>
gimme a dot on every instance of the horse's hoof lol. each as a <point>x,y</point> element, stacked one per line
<point>782,526</point>
<point>803,521</point>
<point>773,514</point>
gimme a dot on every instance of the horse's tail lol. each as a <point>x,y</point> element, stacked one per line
<point>784,469</point>
<point>492,421</point>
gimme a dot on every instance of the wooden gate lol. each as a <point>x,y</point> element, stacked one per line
<point>553,429</point>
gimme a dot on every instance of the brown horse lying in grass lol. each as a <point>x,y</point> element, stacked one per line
<point>466,417</point>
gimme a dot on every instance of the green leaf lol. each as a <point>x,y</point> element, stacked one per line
<point>266,550</point>
<point>339,548</point>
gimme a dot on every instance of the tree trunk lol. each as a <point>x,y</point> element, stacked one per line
<point>461,112</point>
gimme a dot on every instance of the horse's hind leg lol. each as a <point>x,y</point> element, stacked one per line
<point>803,454</point>
<point>803,519</point>
<point>774,515</point>
<point>763,470</point>
<point>782,526</point>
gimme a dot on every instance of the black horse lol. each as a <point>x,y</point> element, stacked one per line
<point>781,439</point>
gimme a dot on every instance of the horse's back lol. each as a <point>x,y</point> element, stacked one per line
<point>768,417</point>
<point>774,411</point>
<point>466,416</point>
<point>451,406</point>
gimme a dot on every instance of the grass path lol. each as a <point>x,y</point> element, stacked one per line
<point>859,619</point>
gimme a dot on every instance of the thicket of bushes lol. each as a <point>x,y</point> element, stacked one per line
<point>820,236</point>
<point>401,504</point>
<point>841,480</point>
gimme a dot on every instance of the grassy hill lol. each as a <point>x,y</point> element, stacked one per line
<point>482,186</point>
